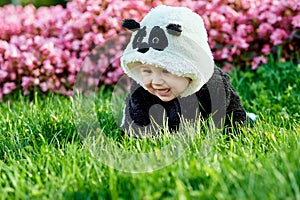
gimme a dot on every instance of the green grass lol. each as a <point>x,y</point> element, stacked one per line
<point>42,155</point>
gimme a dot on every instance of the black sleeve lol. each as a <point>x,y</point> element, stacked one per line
<point>136,107</point>
<point>136,117</point>
<point>218,99</point>
<point>235,112</point>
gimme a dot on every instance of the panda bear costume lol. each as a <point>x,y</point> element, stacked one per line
<point>175,39</point>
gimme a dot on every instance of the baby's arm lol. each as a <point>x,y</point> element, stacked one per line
<point>137,117</point>
<point>219,99</point>
<point>136,108</point>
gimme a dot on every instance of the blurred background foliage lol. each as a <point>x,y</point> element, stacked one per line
<point>36,3</point>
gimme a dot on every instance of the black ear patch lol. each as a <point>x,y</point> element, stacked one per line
<point>174,29</point>
<point>131,24</point>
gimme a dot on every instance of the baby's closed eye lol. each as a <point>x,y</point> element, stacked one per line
<point>146,71</point>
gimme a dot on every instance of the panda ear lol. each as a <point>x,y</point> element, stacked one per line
<point>174,29</point>
<point>131,24</point>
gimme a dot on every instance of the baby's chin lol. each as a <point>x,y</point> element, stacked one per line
<point>166,99</point>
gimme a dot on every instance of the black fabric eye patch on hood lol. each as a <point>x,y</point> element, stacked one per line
<point>157,40</point>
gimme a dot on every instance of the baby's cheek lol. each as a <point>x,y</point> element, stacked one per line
<point>146,80</point>
<point>184,83</point>
<point>149,87</point>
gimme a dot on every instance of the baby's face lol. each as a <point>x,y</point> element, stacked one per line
<point>162,83</point>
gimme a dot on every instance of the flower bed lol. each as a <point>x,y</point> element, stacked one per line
<point>44,48</point>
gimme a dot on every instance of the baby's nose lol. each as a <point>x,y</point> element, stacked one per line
<point>157,79</point>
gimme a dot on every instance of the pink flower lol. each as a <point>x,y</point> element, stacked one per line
<point>47,47</point>
<point>26,82</point>
<point>44,86</point>
<point>36,81</point>
<point>76,45</point>
<point>257,61</point>
<point>226,27</point>
<point>229,11</point>
<point>72,79</point>
<point>269,17</point>
<point>47,66</point>
<point>37,72</point>
<point>12,52</point>
<point>296,21</point>
<point>278,36</point>
<point>38,40</point>
<point>3,75</point>
<point>59,71</point>
<point>98,39</point>
<point>119,72</point>
<point>8,87</point>
<point>277,7</point>
<point>293,4</point>
<point>266,49</point>
<point>240,42</point>
<point>243,30</point>
<point>73,65</point>
<point>217,17</point>
<point>264,30</point>
<point>225,53</point>
<point>3,45</point>
<point>12,76</point>
<point>213,33</point>
<point>29,59</point>
<point>227,67</point>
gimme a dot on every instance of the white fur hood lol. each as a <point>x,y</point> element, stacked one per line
<point>173,38</point>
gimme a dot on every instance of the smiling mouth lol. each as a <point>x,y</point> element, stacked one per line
<point>163,92</point>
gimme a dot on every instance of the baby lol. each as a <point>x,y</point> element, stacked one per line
<point>173,70</point>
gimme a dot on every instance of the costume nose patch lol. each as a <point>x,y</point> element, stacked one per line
<point>157,40</point>
<point>143,50</point>
<point>143,47</point>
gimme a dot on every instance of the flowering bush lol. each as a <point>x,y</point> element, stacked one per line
<point>44,48</point>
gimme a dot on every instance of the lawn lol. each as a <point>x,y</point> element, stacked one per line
<point>42,155</point>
